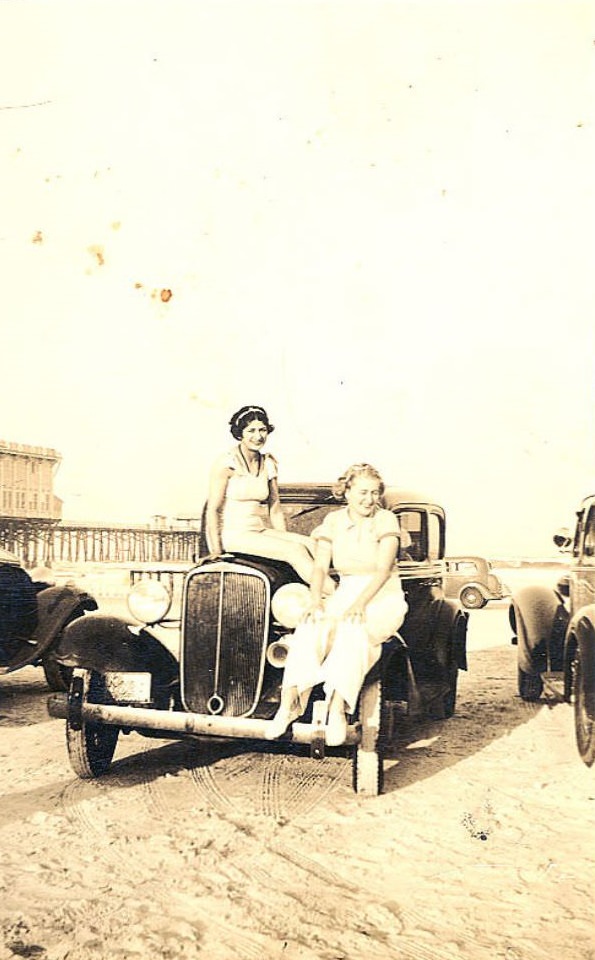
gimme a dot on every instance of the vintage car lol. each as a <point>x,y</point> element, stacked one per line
<point>33,614</point>
<point>472,581</point>
<point>218,673</point>
<point>554,631</point>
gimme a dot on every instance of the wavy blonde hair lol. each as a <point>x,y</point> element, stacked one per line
<point>352,473</point>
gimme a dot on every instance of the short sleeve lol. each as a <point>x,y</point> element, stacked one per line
<point>271,467</point>
<point>325,530</point>
<point>387,524</point>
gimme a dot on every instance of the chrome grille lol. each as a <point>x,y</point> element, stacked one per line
<point>225,621</point>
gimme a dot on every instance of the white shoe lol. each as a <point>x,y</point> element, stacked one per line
<point>283,718</point>
<point>336,729</point>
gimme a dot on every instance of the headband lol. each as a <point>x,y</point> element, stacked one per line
<point>244,413</point>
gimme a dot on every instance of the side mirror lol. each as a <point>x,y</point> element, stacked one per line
<point>563,539</point>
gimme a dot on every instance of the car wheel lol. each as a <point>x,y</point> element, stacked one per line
<point>367,755</point>
<point>450,697</point>
<point>472,598</point>
<point>530,685</point>
<point>58,677</point>
<point>90,746</point>
<point>583,724</point>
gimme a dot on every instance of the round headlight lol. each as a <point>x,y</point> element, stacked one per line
<point>290,604</point>
<point>149,601</point>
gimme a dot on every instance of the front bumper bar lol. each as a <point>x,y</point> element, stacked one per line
<point>179,723</point>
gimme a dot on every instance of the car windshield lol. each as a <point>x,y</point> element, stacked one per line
<point>303,518</point>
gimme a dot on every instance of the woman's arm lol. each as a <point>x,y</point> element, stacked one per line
<point>275,509</point>
<point>320,570</point>
<point>387,552</point>
<point>217,489</point>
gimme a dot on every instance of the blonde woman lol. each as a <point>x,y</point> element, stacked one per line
<point>340,638</point>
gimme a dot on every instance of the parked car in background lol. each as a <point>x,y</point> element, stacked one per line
<point>33,614</point>
<point>218,672</point>
<point>472,581</point>
<point>554,631</point>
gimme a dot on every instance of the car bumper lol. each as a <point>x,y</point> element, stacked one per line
<point>179,723</point>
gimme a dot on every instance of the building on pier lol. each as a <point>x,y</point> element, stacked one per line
<point>31,520</point>
<point>27,482</point>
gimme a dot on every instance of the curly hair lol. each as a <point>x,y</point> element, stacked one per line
<point>352,473</point>
<point>245,415</point>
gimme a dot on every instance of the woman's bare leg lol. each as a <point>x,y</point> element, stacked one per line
<point>289,710</point>
<point>292,548</point>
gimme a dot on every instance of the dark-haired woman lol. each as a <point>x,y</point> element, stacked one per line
<point>244,512</point>
<point>341,638</point>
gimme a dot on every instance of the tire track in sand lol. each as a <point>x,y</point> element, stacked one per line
<point>273,785</point>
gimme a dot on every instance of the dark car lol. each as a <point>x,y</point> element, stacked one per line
<point>472,581</point>
<point>218,673</point>
<point>33,614</point>
<point>554,630</point>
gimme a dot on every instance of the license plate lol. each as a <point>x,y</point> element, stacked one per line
<point>129,687</point>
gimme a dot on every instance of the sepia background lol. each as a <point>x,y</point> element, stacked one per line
<point>375,219</point>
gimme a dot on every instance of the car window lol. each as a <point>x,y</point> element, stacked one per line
<point>434,537</point>
<point>411,547</point>
<point>589,540</point>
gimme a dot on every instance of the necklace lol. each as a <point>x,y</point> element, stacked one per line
<point>257,460</point>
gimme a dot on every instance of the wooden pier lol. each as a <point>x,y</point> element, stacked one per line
<point>45,542</point>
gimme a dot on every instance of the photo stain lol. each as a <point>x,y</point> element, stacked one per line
<point>472,827</point>
<point>480,823</point>
<point>166,295</point>
<point>97,252</point>
<point>37,237</point>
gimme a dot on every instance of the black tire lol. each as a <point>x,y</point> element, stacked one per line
<point>584,726</point>
<point>58,677</point>
<point>569,670</point>
<point>472,598</point>
<point>450,697</point>
<point>530,686</point>
<point>91,747</point>
<point>368,772</point>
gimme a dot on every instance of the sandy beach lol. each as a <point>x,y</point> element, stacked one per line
<point>479,848</point>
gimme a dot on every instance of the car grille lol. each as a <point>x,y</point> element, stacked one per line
<point>225,620</point>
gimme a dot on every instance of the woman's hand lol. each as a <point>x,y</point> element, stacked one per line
<point>315,611</point>
<point>356,611</point>
<point>212,557</point>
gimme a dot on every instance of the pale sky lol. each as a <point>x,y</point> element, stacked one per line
<point>375,219</point>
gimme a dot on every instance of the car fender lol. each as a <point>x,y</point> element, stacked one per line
<point>534,614</point>
<point>55,606</point>
<point>452,623</point>
<point>436,636</point>
<point>109,644</point>
<point>581,633</point>
<point>496,587</point>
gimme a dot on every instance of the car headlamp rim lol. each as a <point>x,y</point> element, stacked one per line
<point>290,603</point>
<point>149,601</point>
